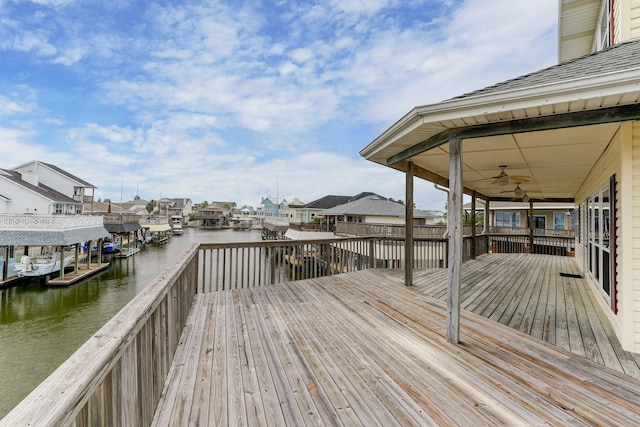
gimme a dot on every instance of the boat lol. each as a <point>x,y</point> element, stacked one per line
<point>40,265</point>
<point>110,247</point>
<point>176,226</point>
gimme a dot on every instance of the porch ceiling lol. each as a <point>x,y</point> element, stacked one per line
<point>556,162</point>
<point>553,133</point>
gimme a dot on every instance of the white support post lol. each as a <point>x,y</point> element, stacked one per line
<point>454,220</point>
<point>408,228</point>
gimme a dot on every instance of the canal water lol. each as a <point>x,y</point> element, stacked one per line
<point>41,327</point>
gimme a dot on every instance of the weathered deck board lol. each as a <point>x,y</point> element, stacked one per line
<point>566,314</point>
<point>362,349</point>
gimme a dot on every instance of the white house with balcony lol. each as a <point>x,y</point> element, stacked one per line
<point>42,188</point>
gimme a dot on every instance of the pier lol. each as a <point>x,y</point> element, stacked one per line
<point>75,276</point>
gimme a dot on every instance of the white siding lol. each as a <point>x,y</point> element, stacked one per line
<point>633,283</point>
<point>609,164</point>
<point>384,220</point>
<point>634,19</point>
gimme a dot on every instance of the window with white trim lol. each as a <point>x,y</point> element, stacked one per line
<point>603,37</point>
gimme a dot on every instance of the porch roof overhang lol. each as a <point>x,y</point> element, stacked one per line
<point>552,133</point>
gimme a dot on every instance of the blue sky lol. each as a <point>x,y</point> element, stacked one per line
<point>236,100</point>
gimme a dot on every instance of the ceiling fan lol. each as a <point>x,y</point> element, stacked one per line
<point>503,179</point>
<point>518,192</point>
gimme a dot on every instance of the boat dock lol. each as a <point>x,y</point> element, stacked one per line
<point>78,275</point>
<point>126,253</point>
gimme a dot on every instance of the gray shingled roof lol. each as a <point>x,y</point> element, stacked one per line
<point>620,57</point>
<point>51,237</point>
<point>41,189</point>
<point>374,206</point>
<point>331,201</point>
<point>123,228</point>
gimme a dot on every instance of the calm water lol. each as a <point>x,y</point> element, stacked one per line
<point>41,327</point>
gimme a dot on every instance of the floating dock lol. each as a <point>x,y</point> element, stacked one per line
<point>125,253</point>
<point>76,276</point>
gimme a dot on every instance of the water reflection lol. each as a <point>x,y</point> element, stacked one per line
<point>40,327</point>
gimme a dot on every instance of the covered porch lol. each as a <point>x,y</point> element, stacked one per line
<point>568,134</point>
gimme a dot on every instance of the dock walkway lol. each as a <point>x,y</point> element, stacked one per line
<point>76,276</point>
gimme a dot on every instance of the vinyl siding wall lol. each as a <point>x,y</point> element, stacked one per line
<point>633,270</point>
<point>609,164</point>
<point>634,19</point>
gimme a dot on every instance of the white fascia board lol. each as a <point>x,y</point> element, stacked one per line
<point>538,96</point>
<point>580,89</point>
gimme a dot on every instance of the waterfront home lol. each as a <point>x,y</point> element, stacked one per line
<point>374,209</point>
<point>42,188</point>
<point>171,208</point>
<point>213,216</point>
<point>307,213</point>
<point>573,130</point>
<point>271,209</point>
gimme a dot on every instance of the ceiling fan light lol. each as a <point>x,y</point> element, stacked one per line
<point>518,192</point>
<point>525,198</point>
<point>503,180</point>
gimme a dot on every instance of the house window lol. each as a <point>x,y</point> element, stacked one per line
<point>559,220</point>
<point>57,208</point>
<point>540,222</point>
<point>604,36</point>
<point>508,219</point>
<point>598,238</point>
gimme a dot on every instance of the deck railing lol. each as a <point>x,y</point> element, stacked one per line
<point>242,265</point>
<point>117,377</point>
<point>546,245</point>
<point>47,222</point>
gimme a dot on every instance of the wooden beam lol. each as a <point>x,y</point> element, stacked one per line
<point>408,228</point>
<point>532,124</point>
<point>454,221</point>
<point>427,175</point>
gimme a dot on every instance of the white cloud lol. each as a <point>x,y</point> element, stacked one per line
<point>212,101</point>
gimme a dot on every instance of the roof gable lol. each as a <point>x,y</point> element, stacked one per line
<point>41,189</point>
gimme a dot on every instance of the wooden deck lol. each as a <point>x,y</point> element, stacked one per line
<point>362,349</point>
<point>527,292</point>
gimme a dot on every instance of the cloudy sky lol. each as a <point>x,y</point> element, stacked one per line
<point>234,100</point>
